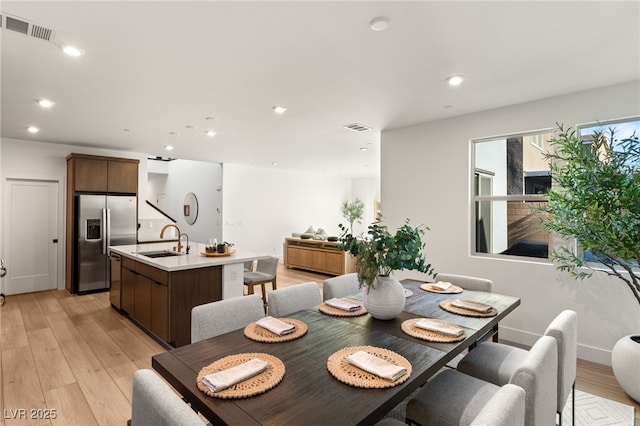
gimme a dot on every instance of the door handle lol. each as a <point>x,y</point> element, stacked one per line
<point>104,231</point>
<point>3,269</point>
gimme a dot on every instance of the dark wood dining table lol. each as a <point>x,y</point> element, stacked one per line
<point>308,393</point>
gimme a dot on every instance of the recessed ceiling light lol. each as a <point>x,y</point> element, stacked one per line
<point>126,130</point>
<point>363,148</point>
<point>32,129</point>
<point>279,109</point>
<point>191,127</point>
<point>72,51</point>
<point>274,163</point>
<point>455,80</point>
<point>168,147</point>
<point>174,133</point>
<point>211,133</point>
<point>447,106</point>
<point>45,103</point>
<point>380,23</point>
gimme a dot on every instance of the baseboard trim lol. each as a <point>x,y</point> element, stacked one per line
<point>526,338</point>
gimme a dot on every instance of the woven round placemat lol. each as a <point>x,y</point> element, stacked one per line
<point>454,289</point>
<point>337,312</point>
<point>345,372</point>
<point>446,305</point>
<point>410,328</point>
<point>255,385</point>
<point>254,332</point>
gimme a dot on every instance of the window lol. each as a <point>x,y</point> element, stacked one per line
<point>622,128</point>
<point>511,177</point>
<point>538,141</point>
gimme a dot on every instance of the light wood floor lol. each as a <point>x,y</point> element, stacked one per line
<point>76,355</point>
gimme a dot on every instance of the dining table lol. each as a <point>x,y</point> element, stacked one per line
<point>308,394</point>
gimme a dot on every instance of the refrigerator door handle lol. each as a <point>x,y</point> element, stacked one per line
<point>105,230</point>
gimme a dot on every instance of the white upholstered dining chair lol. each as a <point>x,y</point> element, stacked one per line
<point>495,362</point>
<point>340,286</point>
<point>215,318</point>
<point>154,403</point>
<point>453,398</point>
<point>467,282</point>
<point>285,301</point>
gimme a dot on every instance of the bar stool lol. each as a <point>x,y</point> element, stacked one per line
<point>266,270</point>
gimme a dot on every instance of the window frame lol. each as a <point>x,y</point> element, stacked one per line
<point>474,199</point>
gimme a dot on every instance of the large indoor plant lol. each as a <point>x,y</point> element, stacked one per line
<point>352,211</point>
<point>595,201</point>
<point>377,254</point>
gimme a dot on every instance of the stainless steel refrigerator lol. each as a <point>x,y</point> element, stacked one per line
<point>103,221</point>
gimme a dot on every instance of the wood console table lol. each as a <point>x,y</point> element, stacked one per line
<point>318,256</point>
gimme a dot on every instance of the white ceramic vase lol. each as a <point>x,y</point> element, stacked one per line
<point>625,361</point>
<point>386,300</point>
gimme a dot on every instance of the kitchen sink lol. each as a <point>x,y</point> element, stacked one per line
<point>160,253</point>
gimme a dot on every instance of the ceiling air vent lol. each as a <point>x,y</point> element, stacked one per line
<point>357,127</point>
<point>27,28</point>
<point>41,32</point>
<point>17,25</point>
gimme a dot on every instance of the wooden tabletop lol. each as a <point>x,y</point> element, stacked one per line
<point>309,394</point>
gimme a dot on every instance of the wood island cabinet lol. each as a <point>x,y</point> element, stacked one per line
<point>161,301</point>
<point>319,256</point>
<point>127,283</point>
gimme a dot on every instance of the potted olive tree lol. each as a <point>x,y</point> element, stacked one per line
<point>379,253</point>
<point>596,201</point>
<point>352,211</point>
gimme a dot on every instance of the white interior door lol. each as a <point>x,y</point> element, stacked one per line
<point>31,228</point>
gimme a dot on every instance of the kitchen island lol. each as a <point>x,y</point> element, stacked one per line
<point>157,293</point>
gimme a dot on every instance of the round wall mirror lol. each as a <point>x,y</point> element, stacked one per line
<point>190,208</point>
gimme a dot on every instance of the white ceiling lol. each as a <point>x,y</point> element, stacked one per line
<point>157,67</point>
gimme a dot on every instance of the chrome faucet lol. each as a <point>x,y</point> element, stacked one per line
<point>179,234</point>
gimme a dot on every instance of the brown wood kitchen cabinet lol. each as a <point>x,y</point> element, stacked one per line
<point>103,174</point>
<point>95,175</point>
<point>160,301</point>
<point>127,284</point>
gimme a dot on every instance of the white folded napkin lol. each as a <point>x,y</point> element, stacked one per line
<point>276,326</point>
<point>448,329</point>
<point>224,379</point>
<point>441,285</point>
<point>472,306</point>
<point>342,304</point>
<point>377,366</point>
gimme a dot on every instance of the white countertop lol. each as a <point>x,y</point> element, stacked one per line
<point>184,261</point>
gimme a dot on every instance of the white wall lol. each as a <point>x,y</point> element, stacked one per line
<point>368,191</point>
<point>175,179</point>
<point>205,181</point>
<point>21,159</point>
<point>263,206</point>
<point>606,309</point>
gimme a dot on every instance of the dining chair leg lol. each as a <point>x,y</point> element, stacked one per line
<point>573,406</point>
<point>264,297</point>
<point>573,403</point>
<point>249,288</point>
